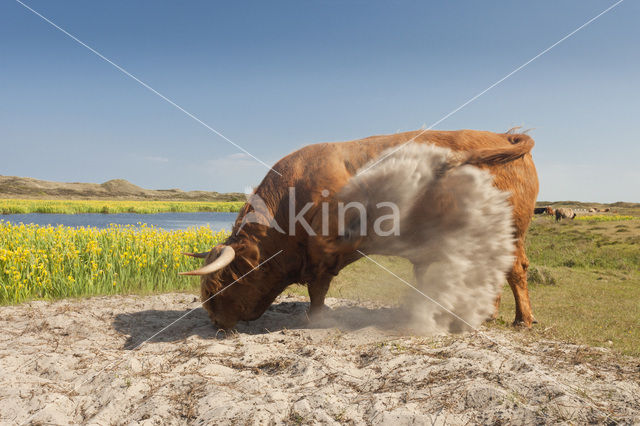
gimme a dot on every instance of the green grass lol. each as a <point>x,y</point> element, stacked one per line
<point>591,293</point>
<point>579,245</point>
<point>599,308</point>
<point>604,218</point>
<point>13,206</point>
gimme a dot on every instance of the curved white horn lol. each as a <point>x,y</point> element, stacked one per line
<point>226,256</point>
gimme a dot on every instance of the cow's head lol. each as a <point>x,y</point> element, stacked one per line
<point>233,287</point>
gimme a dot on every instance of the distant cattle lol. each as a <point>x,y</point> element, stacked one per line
<point>592,210</point>
<point>605,210</point>
<point>563,213</point>
<point>543,210</point>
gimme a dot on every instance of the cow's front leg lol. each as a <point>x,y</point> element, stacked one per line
<point>317,292</point>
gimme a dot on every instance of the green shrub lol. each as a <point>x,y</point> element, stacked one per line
<point>540,275</point>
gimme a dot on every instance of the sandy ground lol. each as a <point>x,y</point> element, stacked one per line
<point>75,362</point>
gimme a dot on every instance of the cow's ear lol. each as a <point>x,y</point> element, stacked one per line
<point>249,253</point>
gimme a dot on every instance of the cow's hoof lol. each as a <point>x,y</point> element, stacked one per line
<point>522,324</point>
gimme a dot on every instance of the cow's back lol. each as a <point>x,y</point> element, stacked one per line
<point>330,165</point>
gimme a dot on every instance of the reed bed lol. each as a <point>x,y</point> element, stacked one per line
<point>14,206</point>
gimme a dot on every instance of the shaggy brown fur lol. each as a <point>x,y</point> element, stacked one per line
<point>543,210</point>
<point>329,166</point>
<point>563,213</point>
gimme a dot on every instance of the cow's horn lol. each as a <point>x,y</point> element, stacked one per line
<point>226,257</point>
<point>198,255</point>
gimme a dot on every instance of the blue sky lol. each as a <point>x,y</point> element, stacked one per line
<point>275,76</point>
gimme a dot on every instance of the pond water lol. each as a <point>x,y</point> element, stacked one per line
<point>168,221</point>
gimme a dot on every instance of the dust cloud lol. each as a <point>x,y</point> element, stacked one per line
<point>454,226</point>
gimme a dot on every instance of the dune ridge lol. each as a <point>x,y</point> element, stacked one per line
<point>30,188</point>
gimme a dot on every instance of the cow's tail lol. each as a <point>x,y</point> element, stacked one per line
<point>521,145</point>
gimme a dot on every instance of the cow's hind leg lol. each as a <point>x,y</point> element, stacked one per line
<point>518,282</point>
<point>317,291</point>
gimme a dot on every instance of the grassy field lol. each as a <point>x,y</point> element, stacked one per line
<point>584,275</point>
<point>603,218</point>
<point>585,282</point>
<point>13,206</point>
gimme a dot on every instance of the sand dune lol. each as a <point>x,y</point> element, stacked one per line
<point>30,188</point>
<point>76,361</point>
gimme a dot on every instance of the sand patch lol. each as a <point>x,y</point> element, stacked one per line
<point>72,362</point>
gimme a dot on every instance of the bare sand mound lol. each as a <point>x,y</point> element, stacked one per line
<point>73,362</point>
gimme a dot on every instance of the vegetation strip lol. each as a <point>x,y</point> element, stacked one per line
<point>604,218</point>
<point>14,206</point>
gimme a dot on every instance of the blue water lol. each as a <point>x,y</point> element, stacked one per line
<point>168,221</point>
